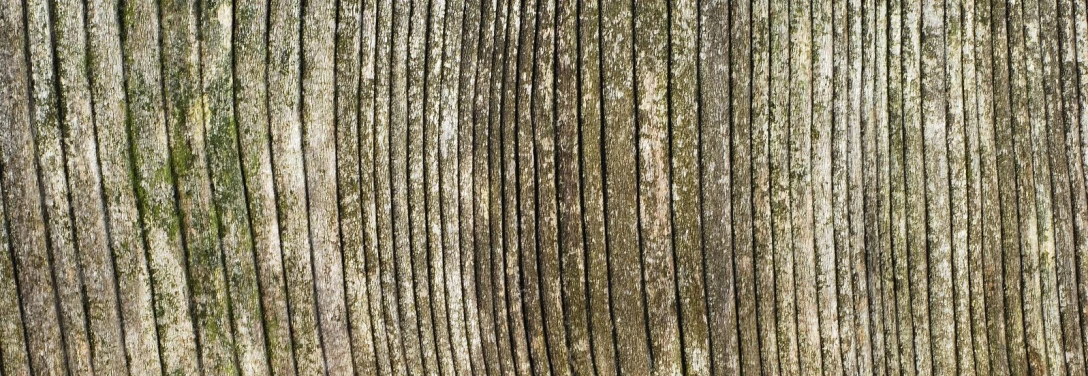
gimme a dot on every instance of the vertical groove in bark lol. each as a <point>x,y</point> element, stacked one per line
<point>1008,264</point>
<point>398,165</point>
<point>229,187</point>
<point>62,113</point>
<point>470,265</point>
<point>781,226</point>
<point>319,156</point>
<point>992,217</point>
<point>842,166</point>
<point>904,326</point>
<point>251,104</point>
<point>1081,32</point>
<point>654,189</point>
<point>289,180</point>
<point>573,262</point>
<point>917,113</point>
<point>415,186</point>
<point>133,283</point>
<point>761,189</point>
<point>477,71</point>
<point>348,71</point>
<point>875,202</point>
<point>620,188</point>
<point>527,98</point>
<point>511,229</point>
<point>487,233</point>
<point>544,139</point>
<point>516,326</point>
<point>957,176</point>
<point>591,126</point>
<point>687,225</point>
<point>938,244</point>
<point>398,347</point>
<point>24,215</point>
<point>975,217</point>
<point>885,182</point>
<point>1018,234</point>
<point>186,134</point>
<point>13,348</point>
<point>801,132</point>
<point>856,289</point>
<point>823,137</point>
<point>382,337</point>
<point>496,180</point>
<point>1032,175</point>
<point>1073,208</point>
<point>715,188</point>
<point>1048,193</point>
<point>155,193</point>
<point>431,109</point>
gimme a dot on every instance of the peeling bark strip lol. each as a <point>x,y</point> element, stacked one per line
<point>537,187</point>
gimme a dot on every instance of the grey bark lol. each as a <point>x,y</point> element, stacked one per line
<point>536,187</point>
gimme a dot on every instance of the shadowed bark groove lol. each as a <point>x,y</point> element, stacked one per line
<point>61,117</point>
<point>25,223</point>
<point>252,118</point>
<point>289,180</point>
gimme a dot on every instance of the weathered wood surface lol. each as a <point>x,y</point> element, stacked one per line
<point>501,187</point>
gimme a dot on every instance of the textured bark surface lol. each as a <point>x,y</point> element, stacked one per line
<point>538,187</point>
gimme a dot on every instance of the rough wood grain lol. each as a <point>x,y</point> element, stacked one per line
<point>569,190</point>
<point>185,127</point>
<point>61,117</point>
<point>495,212</point>
<point>522,187</point>
<point>289,180</point>
<point>432,107</point>
<point>621,188</point>
<point>687,225</point>
<point>511,225</point>
<point>762,225</point>
<point>250,63</point>
<point>25,225</point>
<point>228,187</point>
<point>370,61</point>
<point>349,62</point>
<point>12,343</point>
<point>399,349</point>
<point>975,216</point>
<point>155,193</point>
<point>133,283</point>
<point>319,156</point>
<point>591,126</point>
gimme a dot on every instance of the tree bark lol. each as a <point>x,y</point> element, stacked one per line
<point>534,187</point>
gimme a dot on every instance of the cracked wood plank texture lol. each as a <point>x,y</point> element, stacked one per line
<point>538,187</point>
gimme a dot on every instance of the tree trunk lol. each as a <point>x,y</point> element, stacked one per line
<point>544,187</point>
